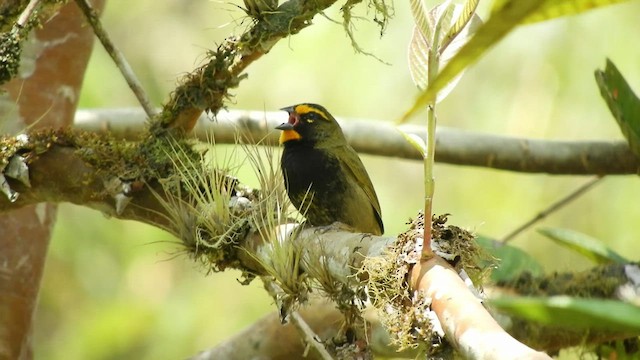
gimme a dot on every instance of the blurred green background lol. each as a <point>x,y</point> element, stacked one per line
<point>118,290</point>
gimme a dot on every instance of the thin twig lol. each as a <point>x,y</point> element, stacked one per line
<point>307,334</point>
<point>554,207</point>
<point>310,337</point>
<point>118,57</point>
<point>27,12</point>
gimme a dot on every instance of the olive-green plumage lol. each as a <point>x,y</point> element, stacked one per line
<point>324,177</point>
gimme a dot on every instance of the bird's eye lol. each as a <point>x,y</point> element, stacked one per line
<point>310,121</point>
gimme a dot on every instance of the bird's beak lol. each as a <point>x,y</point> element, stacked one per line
<point>288,109</point>
<point>288,133</point>
<point>285,126</point>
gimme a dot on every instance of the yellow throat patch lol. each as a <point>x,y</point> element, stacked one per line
<point>288,135</point>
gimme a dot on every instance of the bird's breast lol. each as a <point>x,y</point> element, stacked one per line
<point>305,167</point>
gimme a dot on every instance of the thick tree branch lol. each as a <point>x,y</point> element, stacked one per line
<point>62,175</point>
<point>331,256</point>
<point>44,94</point>
<point>381,138</point>
<point>463,317</point>
<point>269,338</point>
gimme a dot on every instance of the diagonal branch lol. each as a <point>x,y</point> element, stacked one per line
<point>117,56</point>
<point>206,88</point>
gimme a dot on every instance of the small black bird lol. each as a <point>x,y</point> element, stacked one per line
<point>324,177</point>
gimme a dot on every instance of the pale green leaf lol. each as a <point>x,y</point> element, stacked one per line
<point>574,313</point>
<point>419,59</point>
<point>416,141</point>
<point>422,20</point>
<point>468,12</point>
<point>443,16</point>
<point>587,246</point>
<point>419,50</point>
<point>622,102</point>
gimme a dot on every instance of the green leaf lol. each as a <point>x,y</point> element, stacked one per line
<point>552,9</point>
<point>573,313</point>
<point>591,248</point>
<point>499,25</point>
<point>623,103</point>
<point>512,261</point>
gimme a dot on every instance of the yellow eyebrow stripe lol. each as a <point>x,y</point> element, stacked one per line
<point>305,109</point>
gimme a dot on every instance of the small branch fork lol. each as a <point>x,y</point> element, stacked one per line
<point>118,58</point>
<point>206,88</point>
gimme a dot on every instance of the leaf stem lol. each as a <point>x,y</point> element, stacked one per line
<point>429,155</point>
<point>429,180</point>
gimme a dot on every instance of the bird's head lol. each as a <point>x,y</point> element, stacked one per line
<point>311,124</point>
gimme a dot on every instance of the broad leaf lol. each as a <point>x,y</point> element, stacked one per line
<point>623,103</point>
<point>552,9</point>
<point>587,246</point>
<point>573,313</point>
<point>419,58</point>
<point>511,261</point>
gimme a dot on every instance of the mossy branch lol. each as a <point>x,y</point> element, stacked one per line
<point>207,88</point>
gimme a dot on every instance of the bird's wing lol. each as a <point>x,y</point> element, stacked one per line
<point>350,164</point>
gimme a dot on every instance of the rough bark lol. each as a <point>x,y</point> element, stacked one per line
<point>44,94</point>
